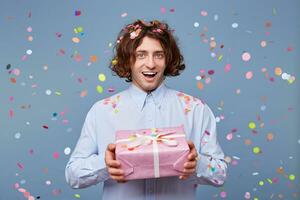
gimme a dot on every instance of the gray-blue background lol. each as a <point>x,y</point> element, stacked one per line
<point>27,147</point>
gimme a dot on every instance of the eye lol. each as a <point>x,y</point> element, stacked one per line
<point>140,55</point>
<point>159,55</point>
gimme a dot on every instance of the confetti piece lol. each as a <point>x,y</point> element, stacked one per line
<point>292,177</point>
<point>45,127</point>
<point>101,77</point>
<point>99,89</point>
<point>251,125</point>
<point>83,93</point>
<point>55,155</point>
<point>263,44</point>
<point>196,24</point>
<point>20,165</point>
<point>18,135</point>
<point>93,58</point>
<point>77,12</point>
<point>223,194</point>
<point>227,68</point>
<point>229,136</point>
<point>111,89</point>
<point>249,75</point>
<point>220,57</point>
<point>114,62</point>
<point>234,25</point>
<point>78,29</point>
<point>247,195</point>
<point>29,29</point>
<point>75,40</point>
<point>11,113</point>
<point>256,150</point>
<point>261,183</point>
<point>124,14</point>
<point>67,150</point>
<point>77,196</point>
<point>48,182</point>
<point>200,85</point>
<point>29,52</point>
<point>30,38</point>
<point>270,137</point>
<point>203,13</point>
<point>163,10</point>
<point>246,56</point>
<point>278,71</point>
<point>216,17</point>
<point>48,92</point>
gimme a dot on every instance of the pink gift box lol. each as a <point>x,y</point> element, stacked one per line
<point>152,153</point>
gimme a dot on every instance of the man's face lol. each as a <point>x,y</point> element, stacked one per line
<point>147,72</point>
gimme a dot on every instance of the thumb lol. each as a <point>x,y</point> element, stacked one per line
<point>111,148</point>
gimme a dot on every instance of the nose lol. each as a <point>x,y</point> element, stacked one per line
<point>150,62</point>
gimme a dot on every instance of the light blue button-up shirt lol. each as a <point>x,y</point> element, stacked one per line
<point>134,109</point>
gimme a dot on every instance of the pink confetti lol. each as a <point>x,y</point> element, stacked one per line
<point>249,75</point>
<point>11,98</point>
<point>223,194</point>
<point>16,185</point>
<point>227,68</point>
<point>229,136</point>
<point>21,190</point>
<point>20,165</point>
<point>172,10</point>
<point>203,13</point>
<point>55,155</point>
<point>163,10</point>
<point>246,56</point>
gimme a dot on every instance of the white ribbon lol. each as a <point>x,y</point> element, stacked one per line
<point>166,138</point>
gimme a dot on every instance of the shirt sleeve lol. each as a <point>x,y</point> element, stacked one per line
<point>211,166</point>
<point>86,165</point>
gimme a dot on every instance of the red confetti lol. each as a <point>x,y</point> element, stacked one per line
<point>11,113</point>
<point>45,127</point>
<point>211,72</point>
<point>77,13</point>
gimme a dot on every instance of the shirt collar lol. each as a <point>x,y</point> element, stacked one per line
<point>139,96</point>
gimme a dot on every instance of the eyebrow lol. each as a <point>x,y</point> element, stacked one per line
<point>144,51</point>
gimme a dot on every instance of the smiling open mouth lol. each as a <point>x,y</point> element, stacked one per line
<point>149,74</point>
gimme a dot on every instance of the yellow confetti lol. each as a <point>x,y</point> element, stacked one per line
<point>101,77</point>
<point>256,150</point>
<point>114,62</point>
<point>99,89</point>
<point>252,125</point>
<point>292,177</point>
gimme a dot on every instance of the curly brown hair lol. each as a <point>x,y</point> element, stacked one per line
<point>130,37</point>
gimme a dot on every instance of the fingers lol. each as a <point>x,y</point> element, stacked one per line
<point>113,166</point>
<point>190,165</point>
<point>193,153</point>
<point>115,172</point>
<point>110,159</point>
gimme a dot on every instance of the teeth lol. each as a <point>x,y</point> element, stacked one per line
<point>149,73</point>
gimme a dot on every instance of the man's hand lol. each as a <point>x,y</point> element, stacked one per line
<point>191,164</point>
<point>113,166</point>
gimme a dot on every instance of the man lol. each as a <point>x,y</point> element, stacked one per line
<point>146,52</point>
